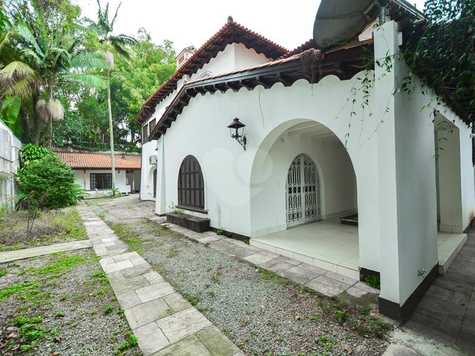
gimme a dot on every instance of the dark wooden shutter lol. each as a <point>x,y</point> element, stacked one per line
<point>144,134</point>
<point>191,191</point>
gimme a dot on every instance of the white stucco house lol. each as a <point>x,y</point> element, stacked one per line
<point>93,171</point>
<point>10,147</point>
<point>335,165</point>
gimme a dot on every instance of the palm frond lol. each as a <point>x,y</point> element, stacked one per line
<point>16,70</point>
<point>90,80</point>
<point>24,32</point>
<point>121,50</point>
<point>22,88</point>
<point>124,39</point>
<point>88,60</point>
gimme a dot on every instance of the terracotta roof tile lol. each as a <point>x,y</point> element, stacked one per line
<point>99,160</point>
<point>231,32</point>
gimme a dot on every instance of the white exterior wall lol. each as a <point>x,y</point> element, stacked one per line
<point>235,56</point>
<point>83,178</point>
<point>390,145</point>
<point>234,179</point>
<point>9,163</point>
<point>407,190</point>
<point>146,187</point>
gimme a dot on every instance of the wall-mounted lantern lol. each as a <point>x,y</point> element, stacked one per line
<point>236,129</point>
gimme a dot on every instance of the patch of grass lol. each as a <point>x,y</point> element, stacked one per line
<point>59,314</point>
<point>127,235</point>
<point>108,309</point>
<point>3,272</point>
<point>27,291</point>
<point>272,276</point>
<point>30,330</point>
<point>129,342</point>
<point>59,266</point>
<point>355,316</point>
<point>373,281</point>
<point>193,299</point>
<point>70,222</point>
<point>101,277</point>
<point>326,342</point>
<point>372,326</point>
<point>341,316</point>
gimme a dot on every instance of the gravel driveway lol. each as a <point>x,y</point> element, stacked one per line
<point>261,313</point>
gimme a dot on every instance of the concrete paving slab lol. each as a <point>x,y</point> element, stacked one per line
<point>176,302</point>
<point>145,313</point>
<point>189,346</point>
<point>21,254</point>
<point>181,324</point>
<point>151,305</point>
<point>154,291</point>
<point>216,342</point>
<point>327,286</point>
<point>151,339</point>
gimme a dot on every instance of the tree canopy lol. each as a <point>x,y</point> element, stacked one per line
<point>53,73</point>
<point>441,51</point>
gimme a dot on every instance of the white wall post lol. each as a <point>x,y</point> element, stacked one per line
<point>407,191</point>
<point>161,199</point>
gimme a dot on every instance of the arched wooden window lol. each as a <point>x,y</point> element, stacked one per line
<point>191,188</point>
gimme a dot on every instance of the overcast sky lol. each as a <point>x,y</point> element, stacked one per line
<point>192,22</point>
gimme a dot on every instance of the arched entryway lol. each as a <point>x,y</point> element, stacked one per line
<point>302,192</point>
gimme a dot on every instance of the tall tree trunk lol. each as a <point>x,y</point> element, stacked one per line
<point>111,132</point>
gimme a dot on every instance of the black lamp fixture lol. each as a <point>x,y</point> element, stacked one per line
<point>236,129</point>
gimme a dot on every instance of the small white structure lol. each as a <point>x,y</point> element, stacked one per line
<point>325,143</point>
<point>9,163</point>
<point>185,54</point>
<point>93,171</point>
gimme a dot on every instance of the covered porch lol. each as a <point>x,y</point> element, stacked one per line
<point>334,246</point>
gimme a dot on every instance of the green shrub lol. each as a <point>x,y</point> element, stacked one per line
<point>48,182</point>
<point>30,153</point>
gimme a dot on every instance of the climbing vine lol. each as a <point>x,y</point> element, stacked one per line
<point>441,52</point>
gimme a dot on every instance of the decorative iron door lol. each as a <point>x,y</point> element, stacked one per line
<point>303,201</point>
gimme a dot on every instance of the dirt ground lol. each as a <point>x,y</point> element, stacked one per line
<point>61,305</point>
<point>51,226</point>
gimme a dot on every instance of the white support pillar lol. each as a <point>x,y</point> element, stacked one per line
<point>161,200</point>
<point>407,192</point>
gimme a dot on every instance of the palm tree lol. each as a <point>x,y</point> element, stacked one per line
<point>111,43</point>
<point>49,54</point>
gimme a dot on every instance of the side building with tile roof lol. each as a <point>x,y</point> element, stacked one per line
<point>93,171</point>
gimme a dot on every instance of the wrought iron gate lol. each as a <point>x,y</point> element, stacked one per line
<point>303,192</point>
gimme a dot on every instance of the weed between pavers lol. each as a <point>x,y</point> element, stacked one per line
<point>127,344</point>
<point>356,316</point>
<point>3,272</point>
<point>108,309</point>
<point>193,299</point>
<point>127,235</point>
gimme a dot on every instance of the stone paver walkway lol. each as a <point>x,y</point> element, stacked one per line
<point>163,321</point>
<point>320,280</point>
<point>43,250</point>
